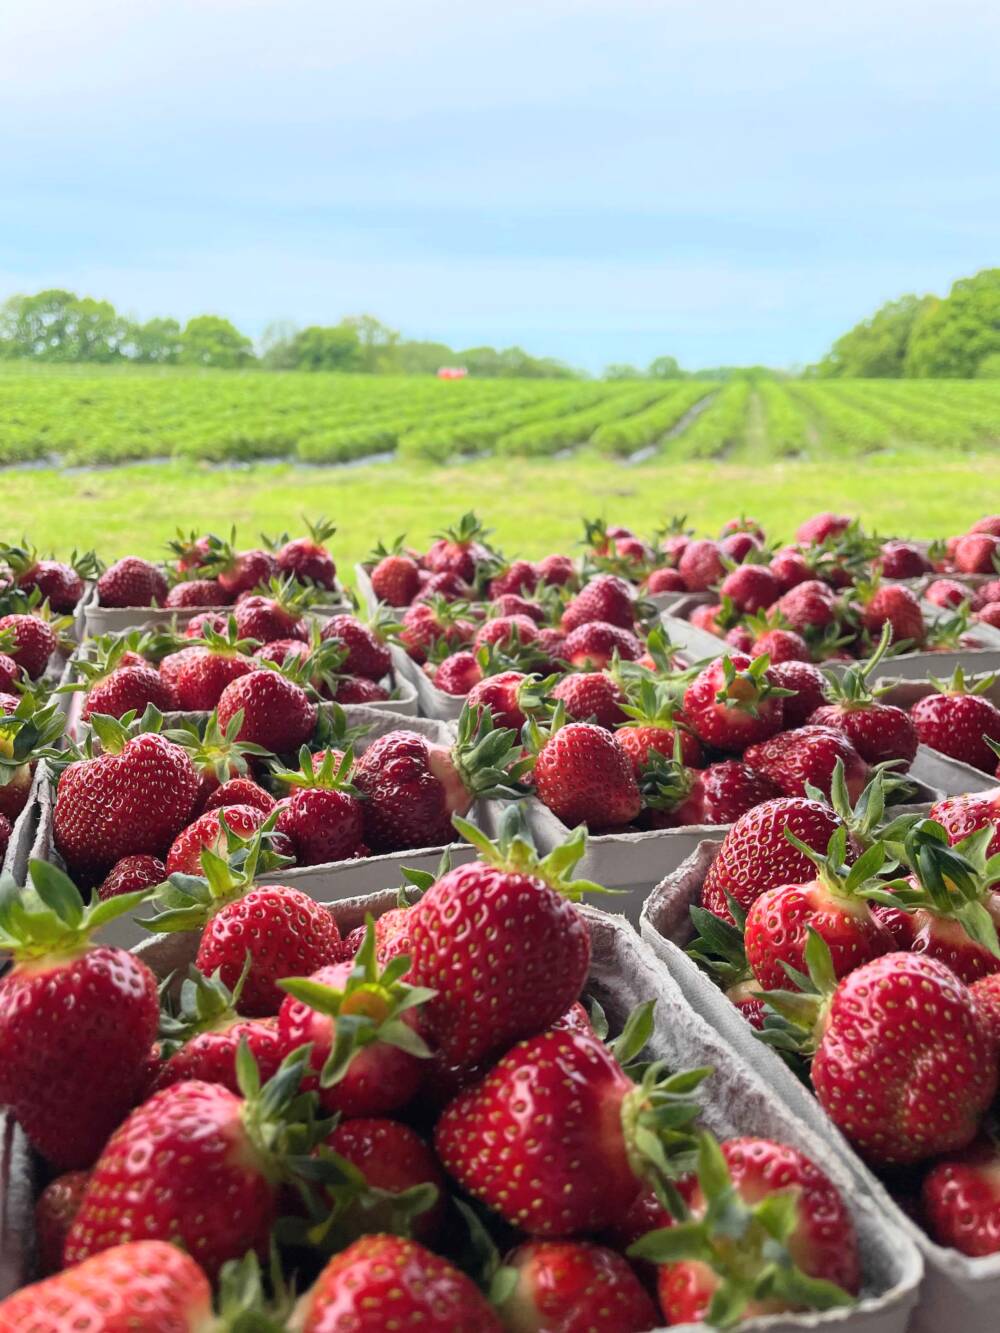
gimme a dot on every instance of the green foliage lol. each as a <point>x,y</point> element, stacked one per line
<point>665,368</point>
<point>210,340</point>
<point>57,326</point>
<point>952,337</point>
<point>876,348</point>
<point>317,348</point>
<point>989,367</point>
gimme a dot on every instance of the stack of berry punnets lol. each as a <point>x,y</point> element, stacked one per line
<point>207,573</point>
<point>959,1292</point>
<point>735,1103</point>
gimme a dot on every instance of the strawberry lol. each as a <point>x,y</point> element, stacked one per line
<point>564,1285</point>
<point>413,787</point>
<point>556,571</point>
<point>756,856</point>
<point>141,1285</point>
<point>367,654</point>
<point>977,553</point>
<point>426,625</point>
<point>990,614</point>
<point>509,697</point>
<point>962,815</point>
<point>28,733</point>
<point>960,1200</point>
<point>733,703</point>
<point>31,640</point>
<point>361,1021</point>
<point>53,581</point>
<point>830,902</point>
<point>821,527</point>
<point>240,791</point>
<point>583,776</point>
<point>324,816</point>
<point>946,593</point>
<point>276,615</point>
<point>594,646</point>
<point>895,1014</point>
<point>196,626</point>
<point>191,552</point>
<point>780,645</point>
<point>717,794</point>
<point>701,565</point>
<point>506,632</point>
<point>742,524</point>
<point>553,1137</point>
<point>199,1166</point>
<point>306,559</point>
<point>197,593</point>
<point>128,689</point>
<point>654,720</point>
<point>208,831</point>
<point>459,550</point>
<point>392,1162</point>
<point>809,605</point>
<point>384,1280</point>
<point>55,1209</point>
<point>198,675</point>
<point>202,1040</point>
<point>764,1231</point>
<point>509,604</point>
<point>592,696</point>
<point>957,721</point>
<point>989,523</point>
<point>986,992</point>
<point>738,546</point>
<point>277,712</point>
<point>10,673</point>
<point>893,605</point>
<point>509,893</point>
<point>807,686</point>
<point>607,598</point>
<point>879,732</point>
<point>807,757</point>
<point>902,560</point>
<point>237,571</point>
<point>790,568</point>
<point>70,1083</point>
<point>665,580</point>
<point>132,874</point>
<point>132,582</point>
<point>519,577</point>
<point>445,586</point>
<point>751,588</point>
<point>217,755</point>
<point>395,580</point>
<point>458,673</point>
<point>135,797</point>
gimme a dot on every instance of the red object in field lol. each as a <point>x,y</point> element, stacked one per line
<point>452,373</point>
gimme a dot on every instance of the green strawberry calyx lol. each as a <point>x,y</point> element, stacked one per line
<point>332,774</point>
<point>368,1009</point>
<point>485,756</point>
<point>48,916</point>
<point>215,751</point>
<point>27,734</point>
<point>206,1004</point>
<point>746,1245</point>
<point>515,851</point>
<point>745,689</point>
<point>658,1116</point>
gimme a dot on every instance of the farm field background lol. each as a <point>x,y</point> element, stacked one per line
<point>915,457</point>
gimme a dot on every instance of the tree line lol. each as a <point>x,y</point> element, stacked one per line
<point>924,337</point>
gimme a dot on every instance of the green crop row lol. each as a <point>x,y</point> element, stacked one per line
<point>720,428</point>
<point>649,426</point>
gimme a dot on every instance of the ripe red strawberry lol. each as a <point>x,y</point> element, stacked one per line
<point>808,757</point>
<point>654,720</point>
<point>199,674</point>
<point>30,640</point>
<point>717,794</point>
<point>129,689</point>
<point>894,605</point>
<point>70,1083</point>
<point>700,565</point>
<point>207,832</point>
<point>392,1159</point>
<point>145,1284</point>
<point>947,593</point>
<point>51,581</point>
<point>196,1165</point>
<point>196,626</point>
<point>275,616</point>
<point>895,1014</point>
<point>960,1200</point>
<point>55,1209</point>
<point>790,568</point>
<point>395,580</point>
<point>324,816</point>
<point>570,1284</point>
<point>809,605</point>
<point>238,571</point>
<point>426,625</point>
<point>459,550</point>
<point>132,874</point>
<point>203,1039</point>
<point>506,632</point>
<point>958,719</point>
<point>367,655</point>
<point>518,577</point>
<point>240,791</point>
<point>828,902</point>
<point>977,553</point>
<point>307,559</point>
<point>751,588</point>
<point>727,1256</point>
<point>509,604</point>
<point>607,598</point>
<point>988,523</point>
<point>197,593</point>
<point>413,787</point>
<point>556,570</point>
<point>132,582</point>
<point>733,703</point>
<point>593,646</point>
<point>358,690</point>
<point>445,586</point>
<point>808,685</point>
<point>10,673</point>
<point>961,816</point>
<point>821,527</point>
<point>509,697</point>
<point>755,855</point>
<point>381,1280</point>
<point>458,673</point>
<point>986,992</point>
<point>592,696</point>
<point>367,1057</point>
<point>879,732</point>
<point>902,560</point>
<point>134,797</point>
<point>990,614</point>
<point>575,1163</point>
<point>509,894</point>
<point>665,580</point>
<point>584,777</point>
<point>277,713</point>
<point>780,645</point>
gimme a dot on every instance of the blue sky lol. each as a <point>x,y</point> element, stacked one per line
<point>602,180</point>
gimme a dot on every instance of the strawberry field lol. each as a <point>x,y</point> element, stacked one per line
<point>93,417</point>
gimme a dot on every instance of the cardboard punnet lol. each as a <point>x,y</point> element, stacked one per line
<point>430,701</point>
<point>94,619</point>
<point>736,1101</point>
<point>958,1293</point>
